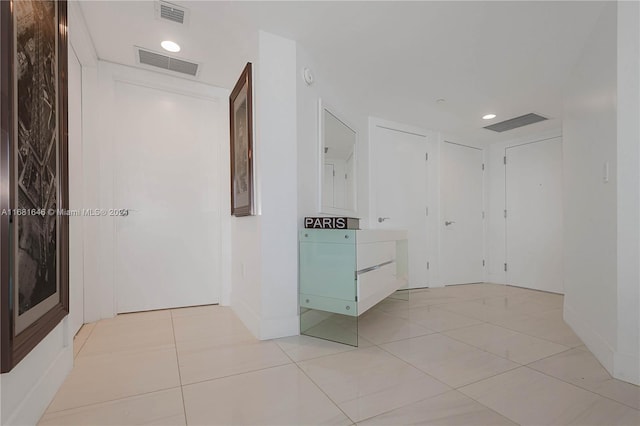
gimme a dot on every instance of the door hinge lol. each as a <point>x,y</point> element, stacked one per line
<point>426,210</point>
<point>504,159</point>
<point>427,265</point>
<point>426,156</point>
<point>505,267</point>
<point>505,213</point>
<point>482,166</point>
<point>483,214</point>
<point>334,173</point>
<point>345,176</point>
<point>482,262</point>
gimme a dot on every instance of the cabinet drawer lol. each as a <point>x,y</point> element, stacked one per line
<point>374,254</point>
<point>376,285</point>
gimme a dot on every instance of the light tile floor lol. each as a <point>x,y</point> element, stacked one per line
<point>480,354</point>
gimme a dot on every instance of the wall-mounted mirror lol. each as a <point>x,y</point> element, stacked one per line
<point>337,163</point>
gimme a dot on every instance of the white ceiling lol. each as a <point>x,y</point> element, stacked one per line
<point>393,59</point>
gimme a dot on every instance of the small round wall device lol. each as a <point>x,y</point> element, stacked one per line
<point>307,75</point>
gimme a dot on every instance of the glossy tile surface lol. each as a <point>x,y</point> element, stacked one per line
<point>156,408</point>
<point>450,408</point>
<point>276,396</point>
<point>480,354</point>
<point>532,398</point>
<point>506,343</point>
<point>367,382</point>
<point>450,361</point>
<point>582,369</point>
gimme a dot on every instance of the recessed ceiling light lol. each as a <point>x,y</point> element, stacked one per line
<point>170,46</point>
<point>489,116</point>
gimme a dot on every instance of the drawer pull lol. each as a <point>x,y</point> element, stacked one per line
<point>373,268</point>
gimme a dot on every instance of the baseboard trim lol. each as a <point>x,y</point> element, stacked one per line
<point>247,315</point>
<point>626,367</point>
<point>274,328</point>
<point>36,401</point>
<point>592,340</point>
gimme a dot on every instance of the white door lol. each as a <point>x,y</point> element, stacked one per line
<point>534,215</point>
<point>399,186</point>
<point>168,247</point>
<point>76,259</point>
<point>462,218</point>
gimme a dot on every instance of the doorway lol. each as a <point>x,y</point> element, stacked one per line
<point>462,227</point>
<point>167,248</point>
<point>399,192</point>
<point>533,222</point>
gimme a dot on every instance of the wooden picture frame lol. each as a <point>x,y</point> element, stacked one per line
<point>241,136</point>
<point>34,231</point>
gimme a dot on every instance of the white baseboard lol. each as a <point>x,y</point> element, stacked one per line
<point>626,367</point>
<point>34,400</point>
<point>592,340</point>
<point>274,328</point>
<point>265,329</point>
<point>247,315</point>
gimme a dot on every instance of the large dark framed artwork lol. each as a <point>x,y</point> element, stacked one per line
<point>241,118</point>
<point>34,291</point>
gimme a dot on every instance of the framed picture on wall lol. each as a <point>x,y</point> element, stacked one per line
<point>34,288</point>
<point>241,118</point>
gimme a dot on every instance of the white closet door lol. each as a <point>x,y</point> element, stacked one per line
<point>399,179</point>
<point>168,247</point>
<point>462,222</point>
<point>534,215</point>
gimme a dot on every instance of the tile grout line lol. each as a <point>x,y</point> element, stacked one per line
<point>234,374</point>
<point>441,307</point>
<point>456,389</point>
<point>107,401</point>
<point>580,387</point>
<point>85,340</point>
<point>315,384</point>
<point>500,356</point>
<point>452,387</point>
<point>175,345</point>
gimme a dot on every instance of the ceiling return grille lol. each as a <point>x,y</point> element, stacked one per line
<point>514,123</point>
<point>171,12</point>
<point>168,63</point>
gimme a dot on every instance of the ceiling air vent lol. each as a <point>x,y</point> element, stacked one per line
<point>514,123</point>
<point>171,12</point>
<point>168,63</point>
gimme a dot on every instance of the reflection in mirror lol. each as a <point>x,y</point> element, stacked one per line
<point>338,164</point>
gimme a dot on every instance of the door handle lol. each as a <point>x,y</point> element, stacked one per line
<point>382,219</point>
<point>448,222</point>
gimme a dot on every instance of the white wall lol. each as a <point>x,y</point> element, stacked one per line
<point>307,134</point>
<point>495,202</point>
<point>590,133</point>
<point>264,247</point>
<point>25,392</point>
<point>601,218</point>
<point>627,358</point>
